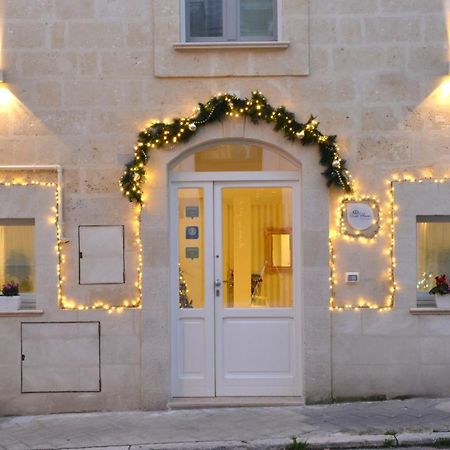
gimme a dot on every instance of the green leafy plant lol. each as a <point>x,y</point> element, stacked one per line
<point>10,289</point>
<point>442,285</point>
<point>392,442</point>
<point>257,109</point>
<point>297,445</point>
<point>442,443</point>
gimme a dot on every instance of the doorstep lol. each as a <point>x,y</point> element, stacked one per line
<point>232,402</point>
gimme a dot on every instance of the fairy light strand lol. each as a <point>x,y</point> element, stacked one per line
<point>63,301</point>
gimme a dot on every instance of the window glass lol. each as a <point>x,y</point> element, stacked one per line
<point>230,20</point>
<point>234,157</point>
<point>205,18</point>
<point>17,253</point>
<point>190,248</point>
<point>256,18</point>
<point>433,250</point>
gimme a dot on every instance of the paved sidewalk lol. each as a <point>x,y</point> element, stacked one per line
<point>417,422</point>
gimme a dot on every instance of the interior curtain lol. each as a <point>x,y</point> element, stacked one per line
<point>433,252</point>
<point>17,250</point>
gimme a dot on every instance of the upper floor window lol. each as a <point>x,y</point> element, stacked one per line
<point>231,20</point>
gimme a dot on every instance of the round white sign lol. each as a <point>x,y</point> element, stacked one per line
<point>360,216</point>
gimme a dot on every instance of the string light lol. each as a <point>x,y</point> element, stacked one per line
<point>63,301</point>
<point>350,235</point>
<point>390,251</point>
<point>256,108</point>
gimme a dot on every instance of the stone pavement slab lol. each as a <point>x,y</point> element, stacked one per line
<point>416,421</point>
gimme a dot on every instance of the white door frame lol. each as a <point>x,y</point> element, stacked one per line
<point>249,179</point>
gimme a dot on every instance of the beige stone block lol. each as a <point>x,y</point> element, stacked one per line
<point>100,181</point>
<point>355,6</point>
<point>430,59</point>
<point>373,149</point>
<point>392,29</point>
<point>315,248</point>
<point>104,121</point>
<point>10,379</point>
<point>349,30</point>
<point>48,94</point>
<point>4,123</point>
<point>95,35</point>
<point>24,9</point>
<point>434,379</point>
<point>432,326</point>
<point>323,30</point>
<point>435,29</point>
<point>346,323</point>
<point>392,324</point>
<point>57,35</point>
<point>117,9</point>
<point>139,35</point>
<point>410,6</point>
<point>69,402</point>
<point>49,64</point>
<point>68,122</point>
<point>28,125</point>
<point>121,377</point>
<point>120,350</point>
<point>135,63</point>
<point>127,324</point>
<point>363,381</point>
<point>88,63</point>
<point>315,292</point>
<point>379,118</point>
<point>94,93</point>
<point>395,57</point>
<point>390,87</point>
<point>24,36</point>
<point>433,350</point>
<point>320,59</point>
<point>69,10</point>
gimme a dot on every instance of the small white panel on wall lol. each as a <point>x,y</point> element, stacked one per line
<point>101,254</point>
<point>60,356</point>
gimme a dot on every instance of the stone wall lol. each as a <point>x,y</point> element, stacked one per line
<point>86,76</point>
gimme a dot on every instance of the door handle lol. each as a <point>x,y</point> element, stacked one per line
<point>218,282</point>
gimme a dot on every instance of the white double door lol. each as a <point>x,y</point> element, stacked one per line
<point>235,287</point>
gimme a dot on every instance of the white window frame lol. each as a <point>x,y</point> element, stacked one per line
<point>230,29</point>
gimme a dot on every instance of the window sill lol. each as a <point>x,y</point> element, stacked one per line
<point>230,45</point>
<point>430,311</point>
<point>22,312</point>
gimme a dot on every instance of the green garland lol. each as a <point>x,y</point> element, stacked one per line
<point>217,108</point>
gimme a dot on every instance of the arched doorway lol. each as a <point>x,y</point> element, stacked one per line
<point>235,272</point>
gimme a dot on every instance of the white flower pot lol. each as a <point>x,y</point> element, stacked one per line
<point>442,301</point>
<point>11,303</point>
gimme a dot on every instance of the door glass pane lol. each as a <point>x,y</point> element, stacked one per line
<point>257,18</point>
<point>205,18</point>
<point>191,248</point>
<point>257,247</point>
<point>17,253</point>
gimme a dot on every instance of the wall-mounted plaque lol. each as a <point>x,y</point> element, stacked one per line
<point>192,252</point>
<point>192,212</point>
<point>192,232</point>
<point>360,218</point>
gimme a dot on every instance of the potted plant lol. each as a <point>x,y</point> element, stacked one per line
<point>441,291</point>
<point>10,298</point>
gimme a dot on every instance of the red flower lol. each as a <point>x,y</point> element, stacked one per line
<point>441,279</point>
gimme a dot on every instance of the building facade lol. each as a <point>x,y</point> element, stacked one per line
<point>279,240</point>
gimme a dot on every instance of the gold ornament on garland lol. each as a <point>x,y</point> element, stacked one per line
<point>257,108</point>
